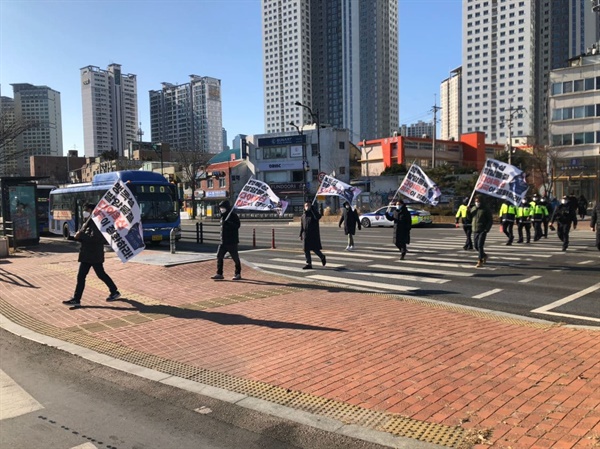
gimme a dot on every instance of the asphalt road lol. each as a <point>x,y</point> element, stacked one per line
<point>53,400</point>
<point>535,280</point>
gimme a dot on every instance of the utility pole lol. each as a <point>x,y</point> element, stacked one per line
<point>511,113</point>
<point>435,109</point>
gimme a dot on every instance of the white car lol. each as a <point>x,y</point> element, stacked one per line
<point>377,218</point>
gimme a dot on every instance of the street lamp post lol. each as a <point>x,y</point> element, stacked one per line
<point>304,162</point>
<point>157,147</point>
<point>315,117</point>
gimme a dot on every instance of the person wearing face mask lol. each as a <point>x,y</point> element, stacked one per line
<point>91,255</point>
<point>402,225</point>
<point>524,220</point>
<point>350,220</point>
<point>463,214</point>
<point>310,235</point>
<point>230,225</point>
<point>482,221</point>
<point>566,216</point>
<point>508,212</point>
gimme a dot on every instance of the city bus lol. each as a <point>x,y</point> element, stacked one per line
<point>42,197</point>
<point>157,198</point>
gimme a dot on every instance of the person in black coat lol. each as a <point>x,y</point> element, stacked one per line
<point>230,238</point>
<point>582,205</point>
<point>402,225</point>
<point>311,235</point>
<point>595,223</point>
<point>91,255</point>
<point>350,220</point>
<point>566,216</point>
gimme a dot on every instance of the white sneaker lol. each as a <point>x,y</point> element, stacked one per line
<point>348,248</point>
<point>352,248</point>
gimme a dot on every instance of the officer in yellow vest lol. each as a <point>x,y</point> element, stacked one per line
<point>508,213</point>
<point>524,220</point>
<point>463,215</point>
<point>539,213</point>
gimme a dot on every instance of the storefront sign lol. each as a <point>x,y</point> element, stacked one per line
<point>281,165</point>
<point>216,193</point>
<point>280,186</point>
<point>282,141</point>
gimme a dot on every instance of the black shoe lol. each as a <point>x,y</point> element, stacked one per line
<point>237,277</point>
<point>113,296</point>
<point>402,256</point>
<point>323,260</point>
<point>519,241</point>
<point>217,277</point>
<point>307,267</point>
<point>73,303</point>
<point>465,247</point>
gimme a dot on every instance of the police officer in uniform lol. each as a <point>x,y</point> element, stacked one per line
<point>565,215</point>
<point>538,213</point>
<point>463,215</point>
<point>508,213</point>
<point>524,220</point>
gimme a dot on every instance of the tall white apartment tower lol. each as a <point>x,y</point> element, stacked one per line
<point>498,48</point>
<point>110,112</point>
<point>337,57</point>
<point>188,116</point>
<point>286,62</point>
<point>450,102</point>
<point>40,104</point>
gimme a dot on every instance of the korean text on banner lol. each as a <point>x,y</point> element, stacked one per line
<point>258,195</point>
<point>118,217</point>
<point>417,186</point>
<point>331,186</point>
<point>502,180</point>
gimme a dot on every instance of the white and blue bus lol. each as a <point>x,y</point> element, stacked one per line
<point>157,198</point>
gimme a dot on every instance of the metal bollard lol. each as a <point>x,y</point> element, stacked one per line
<point>254,238</point>
<point>273,238</point>
<point>172,240</point>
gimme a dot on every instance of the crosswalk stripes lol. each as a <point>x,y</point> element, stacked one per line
<point>362,283</point>
<point>15,400</point>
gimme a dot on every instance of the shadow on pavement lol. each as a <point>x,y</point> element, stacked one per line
<point>226,319</point>
<point>9,278</point>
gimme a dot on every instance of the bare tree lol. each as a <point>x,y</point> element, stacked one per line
<point>10,130</point>
<point>542,162</point>
<point>191,162</point>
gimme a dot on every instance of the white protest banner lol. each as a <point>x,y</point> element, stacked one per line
<point>118,217</point>
<point>331,186</point>
<point>417,186</point>
<point>502,180</point>
<point>257,195</point>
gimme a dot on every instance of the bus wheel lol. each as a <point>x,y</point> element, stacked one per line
<point>66,233</point>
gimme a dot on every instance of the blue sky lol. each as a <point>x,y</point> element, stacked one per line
<point>46,42</point>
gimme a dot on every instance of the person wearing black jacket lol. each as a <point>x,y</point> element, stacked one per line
<point>482,220</point>
<point>350,220</point>
<point>402,225</point>
<point>310,234</point>
<point>595,223</point>
<point>230,238</point>
<point>565,215</point>
<point>91,255</point>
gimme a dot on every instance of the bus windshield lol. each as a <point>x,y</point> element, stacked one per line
<point>157,203</point>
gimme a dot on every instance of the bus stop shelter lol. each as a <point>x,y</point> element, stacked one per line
<point>18,210</point>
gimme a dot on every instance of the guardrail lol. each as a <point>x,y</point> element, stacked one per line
<point>211,232</point>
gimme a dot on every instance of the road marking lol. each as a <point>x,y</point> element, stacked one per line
<point>585,262</point>
<point>15,401</point>
<point>403,267</point>
<point>488,293</point>
<point>361,283</point>
<point>400,277</point>
<point>573,297</point>
<point>532,278</point>
<point>442,264</point>
<point>279,267</point>
<point>302,262</point>
<point>85,446</point>
<point>347,253</point>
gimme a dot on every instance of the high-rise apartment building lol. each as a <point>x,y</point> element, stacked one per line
<point>509,47</point>
<point>450,102</point>
<point>8,161</point>
<point>39,106</point>
<point>338,57</point>
<point>418,129</point>
<point>188,116</point>
<point>110,112</point>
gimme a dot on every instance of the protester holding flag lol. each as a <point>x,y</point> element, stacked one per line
<point>230,225</point>
<point>91,255</point>
<point>402,224</point>
<point>350,220</point>
<point>310,234</point>
<point>482,220</point>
